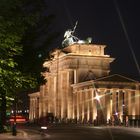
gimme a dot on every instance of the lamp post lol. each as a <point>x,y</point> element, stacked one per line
<point>14,130</point>
<point>123,114</point>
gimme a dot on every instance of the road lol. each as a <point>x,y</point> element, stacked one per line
<point>93,133</point>
<point>82,133</point>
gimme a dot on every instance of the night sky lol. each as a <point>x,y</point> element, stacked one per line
<point>100,20</point>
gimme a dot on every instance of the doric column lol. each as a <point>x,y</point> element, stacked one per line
<point>31,109</point>
<point>75,76</point>
<point>83,104</point>
<point>55,95</point>
<point>78,102</point>
<point>70,80</point>
<point>62,93</point>
<point>102,103</point>
<point>94,105</point>
<point>108,101</point>
<point>48,96</point>
<point>58,94</point>
<point>129,103</point>
<point>42,104</point>
<point>69,95</point>
<point>40,107</point>
<point>74,116</point>
<point>88,104</point>
<point>137,100</point>
<point>52,94</point>
<point>133,103</point>
<point>120,104</point>
<point>80,105</point>
<point>126,101</point>
<point>114,101</point>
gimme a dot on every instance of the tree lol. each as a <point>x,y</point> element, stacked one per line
<point>17,19</point>
<point>11,79</point>
<point>8,49</point>
<point>36,43</point>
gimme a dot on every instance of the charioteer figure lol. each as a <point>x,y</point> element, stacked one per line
<point>71,39</point>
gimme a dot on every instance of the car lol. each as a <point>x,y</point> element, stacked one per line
<point>18,119</point>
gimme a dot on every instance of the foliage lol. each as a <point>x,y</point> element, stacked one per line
<point>20,24</point>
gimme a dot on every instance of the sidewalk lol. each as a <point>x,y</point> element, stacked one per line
<point>20,135</point>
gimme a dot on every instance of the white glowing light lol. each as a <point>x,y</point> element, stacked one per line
<point>116,113</point>
<point>43,127</point>
<point>97,97</point>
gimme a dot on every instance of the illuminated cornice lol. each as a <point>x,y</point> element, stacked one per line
<point>36,94</point>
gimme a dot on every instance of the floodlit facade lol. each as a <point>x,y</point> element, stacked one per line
<point>79,88</point>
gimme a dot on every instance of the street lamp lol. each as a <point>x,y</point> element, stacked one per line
<point>14,131</point>
<point>116,113</point>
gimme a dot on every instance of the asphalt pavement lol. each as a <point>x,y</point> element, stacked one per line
<point>75,132</point>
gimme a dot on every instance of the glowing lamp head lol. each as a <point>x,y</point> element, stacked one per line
<point>116,113</point>
<point>44,127</point>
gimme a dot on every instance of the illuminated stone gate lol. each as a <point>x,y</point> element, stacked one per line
<point>76,76</point>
